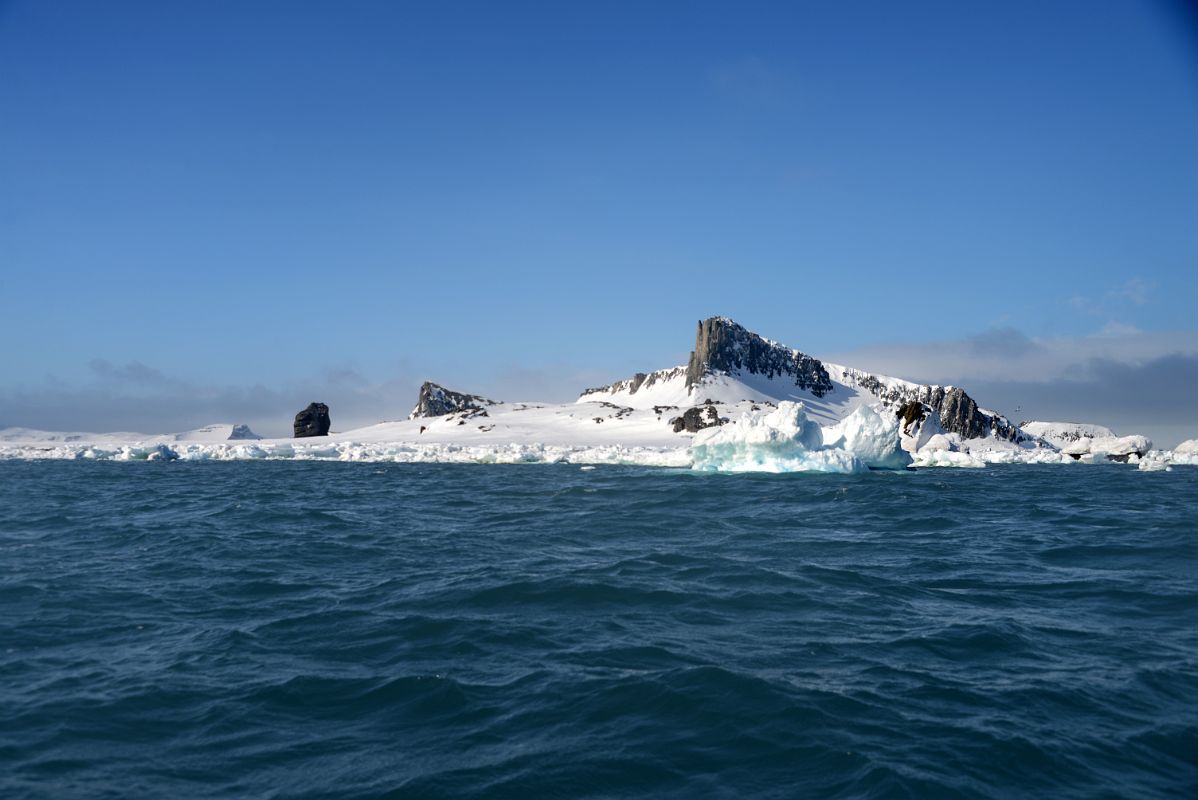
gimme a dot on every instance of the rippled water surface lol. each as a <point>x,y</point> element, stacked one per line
<point>365,630</point>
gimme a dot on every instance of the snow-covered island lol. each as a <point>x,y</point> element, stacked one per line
<point>741,403</point>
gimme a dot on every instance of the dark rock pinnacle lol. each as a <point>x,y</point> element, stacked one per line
<point>312,421</point>
<point>723,346</point>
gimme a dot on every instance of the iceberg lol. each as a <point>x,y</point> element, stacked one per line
<point>1155,461</point>
<point>1088,443</point>
<point>1114,448</point>
<point>870,435</point>
<point>1186,452</point>
<point>785,440</point>
<point>943,457</point>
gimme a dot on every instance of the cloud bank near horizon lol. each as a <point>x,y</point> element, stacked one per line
<point>141,398</point>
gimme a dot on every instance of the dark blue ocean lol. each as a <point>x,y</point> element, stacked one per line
<point>329,630</point>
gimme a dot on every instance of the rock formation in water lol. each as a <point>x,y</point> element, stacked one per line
<point>312,421</point>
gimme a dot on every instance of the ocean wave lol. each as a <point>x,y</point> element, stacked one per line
<point>308,630</point>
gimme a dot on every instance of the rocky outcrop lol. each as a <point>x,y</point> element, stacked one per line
<point>911,416</point>
<point>722,346</point>
<point>641,380</point>
<point>312,421</point>
<point>919,424</point>
<point>437,401</point>
<point>242,432</point>
<point>958,412</point>
<point>725,349</point>
<point>696,419</point>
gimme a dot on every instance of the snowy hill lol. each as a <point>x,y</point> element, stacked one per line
<point>1063,434</point>
<point>1080,440</point>
<point>221,432</point>
<point>741,402</point>
<point>218,433</point>
<point>731,364</point>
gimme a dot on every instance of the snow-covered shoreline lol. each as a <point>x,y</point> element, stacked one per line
<point>741,403</point>
<point>758,438</point>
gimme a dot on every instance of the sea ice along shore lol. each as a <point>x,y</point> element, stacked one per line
<point>741,403</point>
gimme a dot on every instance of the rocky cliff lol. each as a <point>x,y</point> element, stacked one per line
<point>437,401</point>
<point>722,346</point>
<point>958,412</point>
<point>727,353</point>
<point>639,381</point>
<point>312,421</point>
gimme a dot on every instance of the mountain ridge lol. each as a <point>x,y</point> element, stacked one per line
<point>727,353</point>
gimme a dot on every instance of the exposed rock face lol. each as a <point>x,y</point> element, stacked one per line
<point>724,348</point>
<point>957,410</point>
<point>437,401</point>
<point>244,432</point>
<point>721,345</point>
<point>696,419</point>
<point>918,425</point>
<point>312,421</point>
<point>911,415</point>
<point>641,380</point>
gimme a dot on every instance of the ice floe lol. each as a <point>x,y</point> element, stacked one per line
<point>1186,453</point>
<point>785,440</point>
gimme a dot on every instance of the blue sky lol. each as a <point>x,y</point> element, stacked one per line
<point>258,202</point>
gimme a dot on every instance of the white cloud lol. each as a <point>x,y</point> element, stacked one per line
<point>1131,295</point>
